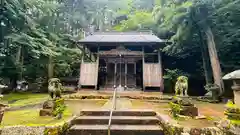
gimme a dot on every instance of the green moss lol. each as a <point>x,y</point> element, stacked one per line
<point>22,99</point>
<point>51,131</point>
<point>31,117</point>
<point>235,122</point>
<point>64,129</point>
<point>171,130</point>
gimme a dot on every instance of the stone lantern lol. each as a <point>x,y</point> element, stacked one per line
<point>235,77</point>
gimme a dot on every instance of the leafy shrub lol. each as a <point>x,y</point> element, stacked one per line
<point>59,107</point>
<point>175,109</point>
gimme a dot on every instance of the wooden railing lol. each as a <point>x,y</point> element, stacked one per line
<point>114,101</point>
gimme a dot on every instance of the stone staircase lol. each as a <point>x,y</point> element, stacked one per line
<point>124,122</point>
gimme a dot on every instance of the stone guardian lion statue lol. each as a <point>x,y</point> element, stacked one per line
<point>55,87</point>
<point>181,87</point>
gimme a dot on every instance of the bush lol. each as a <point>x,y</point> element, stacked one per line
<point>59,107</point>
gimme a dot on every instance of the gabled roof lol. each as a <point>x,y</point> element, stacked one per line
<point>121,37</point>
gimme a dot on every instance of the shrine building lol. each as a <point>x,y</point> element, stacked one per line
<point>131,60</point>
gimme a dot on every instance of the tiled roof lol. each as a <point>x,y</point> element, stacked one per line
<point>121,37</point>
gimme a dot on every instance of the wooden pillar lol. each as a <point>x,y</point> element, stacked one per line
<point>135,74</point>
<point>143,62</point>
<point>115,73</point>
<point>106,73</point>
<point>160,72</point>
<point>97,64</point>
<point>125,75</point>
<point>82,62</point>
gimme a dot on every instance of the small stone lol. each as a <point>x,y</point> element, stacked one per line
<point>185,134</point>
<point>200,117</point>
<point>45,112</point>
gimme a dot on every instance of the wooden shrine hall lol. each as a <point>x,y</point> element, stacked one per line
<point>131,60</point>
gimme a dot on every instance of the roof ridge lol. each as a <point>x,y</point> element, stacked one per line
<point>122,33</point>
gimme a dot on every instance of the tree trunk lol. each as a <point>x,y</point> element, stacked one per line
<point>206,66</point>
<point>19,62</point>
<point>50,67</point>
<point>18,55</point>
<point>217,73</point>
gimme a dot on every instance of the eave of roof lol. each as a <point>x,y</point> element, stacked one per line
<point>131,38</point>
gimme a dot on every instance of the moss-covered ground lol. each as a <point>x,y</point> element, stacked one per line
<point>23,99</point>
<point>31,117</point>
<point>211,112</point>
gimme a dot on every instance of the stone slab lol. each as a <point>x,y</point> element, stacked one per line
<point>45,112</point>
<point>116,130</point>
<point>118,113</point>
<point>120,120</point>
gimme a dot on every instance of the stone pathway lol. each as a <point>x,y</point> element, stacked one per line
<point>121,104</point>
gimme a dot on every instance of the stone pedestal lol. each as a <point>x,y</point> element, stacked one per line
<point>47,108</point>
<point>236,91</point>
<point>189,111</point>
<point>184,107</point>
<point>45,112</point>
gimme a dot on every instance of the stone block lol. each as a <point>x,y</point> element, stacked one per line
<point>189,111</point>
<point>48,104</point>
<point>45,112</point>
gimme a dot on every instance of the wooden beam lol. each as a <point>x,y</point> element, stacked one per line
<point>97,61</point>
<point>125,75</point>
<point>160,72</point>
<point>143,62</point>
<point>82,61</point>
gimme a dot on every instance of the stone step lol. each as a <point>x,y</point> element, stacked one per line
<point>116,130</point>
<point>120,120</point>
<point>118,113</point>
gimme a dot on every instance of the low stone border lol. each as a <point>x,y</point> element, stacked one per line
<point>87,96</point>
<point>171,127</point>
<point>58,129</point>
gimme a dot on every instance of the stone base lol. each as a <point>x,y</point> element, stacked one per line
<point>189,111</point>
<point>48,104</point>
<point>45,112</point>
<point>207,99</point>
<point>237,98</point>
<point>233,116</point>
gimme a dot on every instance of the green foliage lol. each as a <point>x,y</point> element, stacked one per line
<point>173,74</point>
<point>232,108</point>
<point>138,20</point>
<point>64,129</point>
<point>51,131</point>
<point>175,109</point>
<point>59,107</point>
<point>33,30</point>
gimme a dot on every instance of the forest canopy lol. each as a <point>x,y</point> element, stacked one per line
<point>37,36</point>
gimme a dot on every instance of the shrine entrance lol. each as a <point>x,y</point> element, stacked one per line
<point>120,68</point>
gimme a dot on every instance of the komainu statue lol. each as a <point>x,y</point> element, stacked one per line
<point>55,87</point>
<point>181,86</point>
